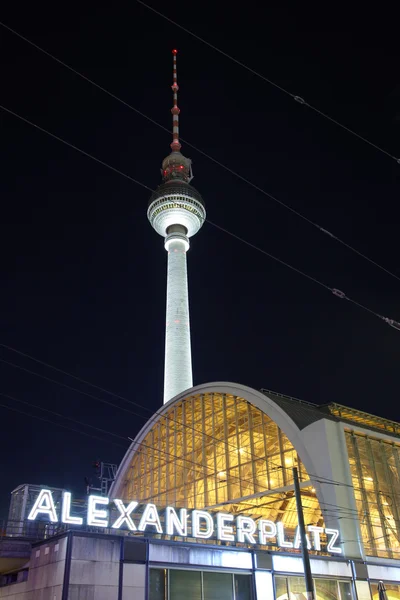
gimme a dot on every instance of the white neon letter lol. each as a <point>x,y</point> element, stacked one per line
<point>225,532</point>
<point>245,528</point>
<point>150,517</point>
<point>66,511</point>
<point>330,547</point>
<point>297,540</point>
<point>281,536</point>
<point>266,529</point>
<point>44,504</point>
<point>196,531</point>
<point>175,522</point>
<point>96,517</point>
<point>316,531</point>
<point>125,515</point>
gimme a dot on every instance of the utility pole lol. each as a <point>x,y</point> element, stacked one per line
<point>303,537</point>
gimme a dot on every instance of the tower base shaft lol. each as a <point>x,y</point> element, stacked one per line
<point>178,356</point>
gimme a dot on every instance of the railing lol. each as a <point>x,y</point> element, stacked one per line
<point>35,531</point>
<point>40,530</point>
<point>29,530</point>
<point>265,391</point>
<point>353,415</point>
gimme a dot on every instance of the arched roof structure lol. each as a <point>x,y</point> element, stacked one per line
<point>286,419</point>
<point>223,445</point>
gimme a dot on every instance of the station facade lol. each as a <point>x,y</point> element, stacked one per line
<point>203,506</point>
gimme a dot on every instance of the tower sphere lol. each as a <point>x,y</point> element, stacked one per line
<point>176,202</point>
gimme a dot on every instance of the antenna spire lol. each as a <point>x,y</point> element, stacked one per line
<point>175,145</point>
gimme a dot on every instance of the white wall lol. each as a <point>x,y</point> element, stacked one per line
<point>326,446</point>
<point>134,582</point>
<point>46,574</point>
<point>95,565</point>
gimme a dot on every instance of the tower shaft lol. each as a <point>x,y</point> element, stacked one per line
<point>178,356</point>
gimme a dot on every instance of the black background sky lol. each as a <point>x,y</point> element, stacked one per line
<point>83,275</point>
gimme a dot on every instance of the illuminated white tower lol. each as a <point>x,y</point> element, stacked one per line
<point>176,211</point>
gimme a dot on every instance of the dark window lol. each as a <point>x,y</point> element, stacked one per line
<point>184,585</point>
<point>217,586</point>
<point>242,587</point>
<point>157,584</point>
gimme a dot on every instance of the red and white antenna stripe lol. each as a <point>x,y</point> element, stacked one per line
<point>175,146</point>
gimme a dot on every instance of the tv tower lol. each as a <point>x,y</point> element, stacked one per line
<point>176,211</point>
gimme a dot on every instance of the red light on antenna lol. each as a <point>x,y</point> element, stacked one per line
<point>174,51</point>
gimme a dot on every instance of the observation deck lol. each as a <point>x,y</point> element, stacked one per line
<point>176,203</point>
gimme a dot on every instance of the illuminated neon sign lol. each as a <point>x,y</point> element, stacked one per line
<point>198,524</point>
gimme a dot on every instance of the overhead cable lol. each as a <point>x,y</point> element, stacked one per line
<point>316,478</point>
<point>153,448</point>
<point>335,513</point>
<point>298,99</point>
<point>338,293</point>
<point>22,412</point>
<point>208,156</point>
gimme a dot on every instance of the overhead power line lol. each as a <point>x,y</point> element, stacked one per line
<point>218,488</point>
<point>53,412</point>
<point>153,417</point>
<point>69,387</point>
<point>175,457</point>
<point>41,362</point>
<point>74,147</point>
<point>337,510</point>
<point>208,156</point>
<point>298,99</point>
<point>327,512</point>
<point>142,444</point>
<point>338,293</point>
<point>22,412</point>
<point>316,478</point>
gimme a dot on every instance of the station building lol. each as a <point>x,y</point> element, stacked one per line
<point>228,451</point>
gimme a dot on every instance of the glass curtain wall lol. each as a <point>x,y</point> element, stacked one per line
<point>175,584</point>
<point>375,468</point>
<point>392,591</point>
<point>293,588</point>
<point>218,449</point>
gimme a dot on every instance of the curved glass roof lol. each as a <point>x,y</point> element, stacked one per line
<point>217,451</point>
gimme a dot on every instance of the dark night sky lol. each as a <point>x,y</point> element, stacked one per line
<point>83,274</point>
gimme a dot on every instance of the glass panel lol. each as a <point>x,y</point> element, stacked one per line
<point>392,591</point>
<point>345,590</point>
<point>281,588</point>
<point>297,588</point>
<point>264,585</point>
<point>157,584</point>
<point>184,584</point>
<point>363,592</point>
<point>326,589</point>
<point>213,448</point>
<point>243,587</point>
<point>217,586</point>
<point>374,469</point>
